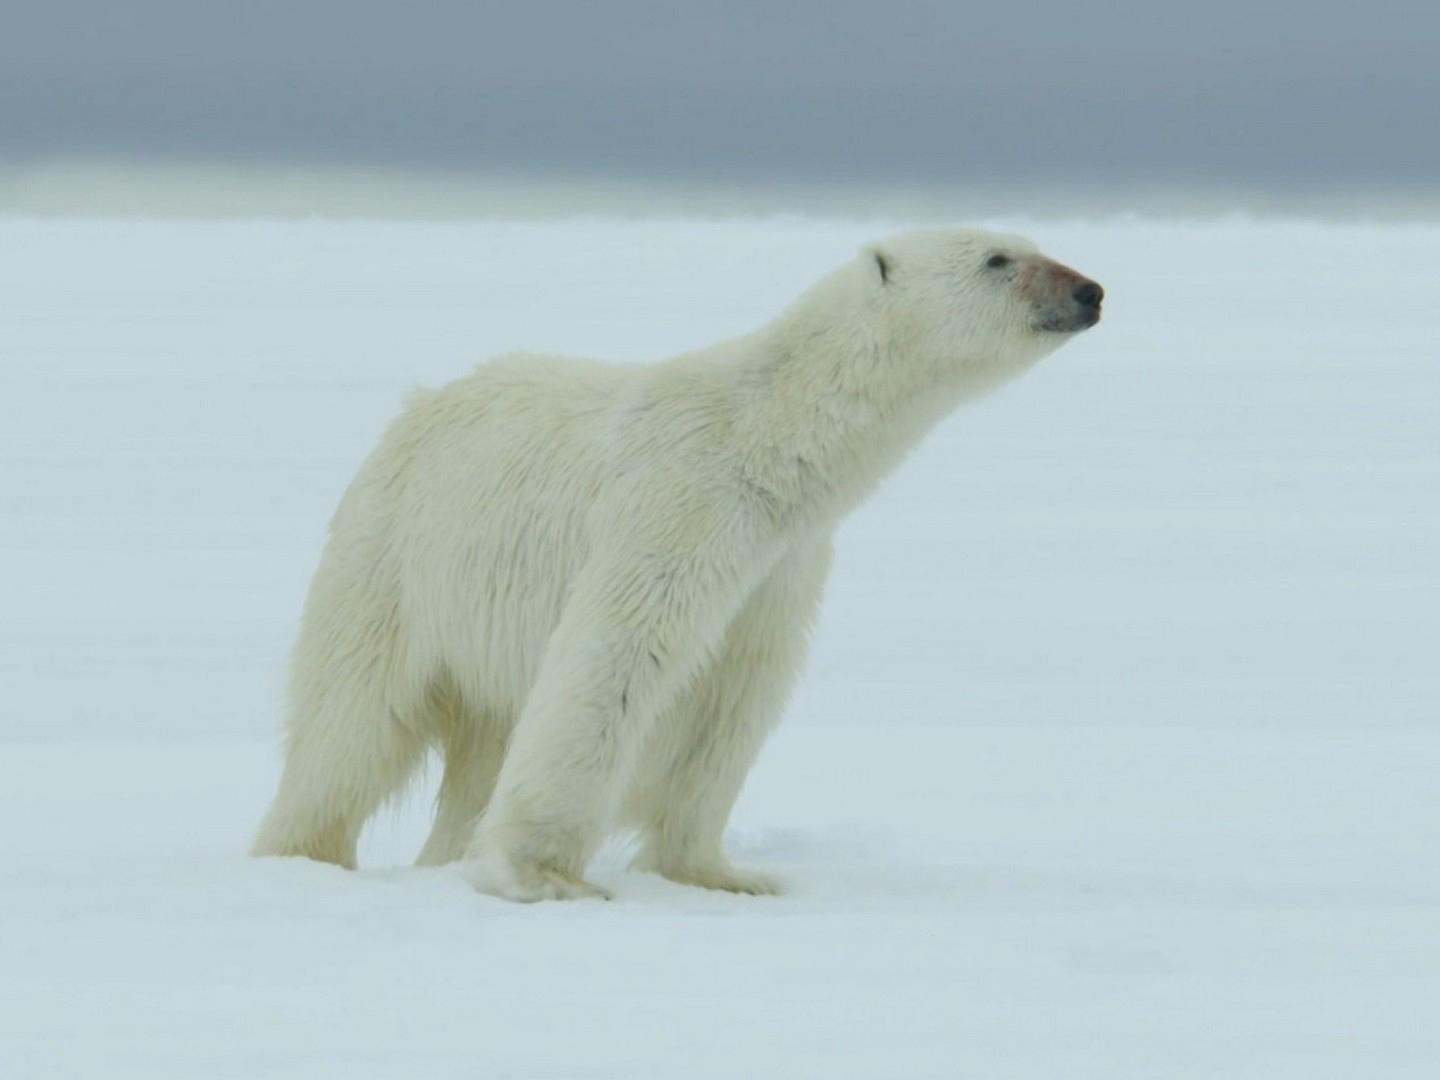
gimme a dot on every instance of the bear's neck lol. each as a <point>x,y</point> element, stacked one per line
<point>832,405</point>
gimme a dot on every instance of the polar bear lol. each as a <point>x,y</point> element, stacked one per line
<point>591,587</point>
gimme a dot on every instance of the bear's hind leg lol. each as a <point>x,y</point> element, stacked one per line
<point>474,748</point>
<point>347,753</point>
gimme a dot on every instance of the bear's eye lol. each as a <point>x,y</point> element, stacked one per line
<point>996,262</point>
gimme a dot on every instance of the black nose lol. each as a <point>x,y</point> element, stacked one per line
<point>1089,294</point>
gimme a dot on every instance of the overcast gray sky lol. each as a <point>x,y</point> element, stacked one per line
<point>1327,91</point>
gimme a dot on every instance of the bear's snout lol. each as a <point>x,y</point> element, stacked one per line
<point>1087,297</point>
<point>1065,302</point>
<point>1089,294</point>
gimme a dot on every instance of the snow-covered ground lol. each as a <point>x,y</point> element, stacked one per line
<point>1117,756</point>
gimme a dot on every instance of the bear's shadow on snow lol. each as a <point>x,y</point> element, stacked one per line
<point>854,865</point>
<point>849,865</point>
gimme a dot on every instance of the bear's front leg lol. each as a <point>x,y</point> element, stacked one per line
<point>634,633</point>
<point>708,747</point>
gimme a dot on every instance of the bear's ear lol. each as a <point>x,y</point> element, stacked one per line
<point>882,262</point>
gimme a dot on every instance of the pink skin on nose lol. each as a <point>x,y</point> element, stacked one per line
<point>1045,279</point>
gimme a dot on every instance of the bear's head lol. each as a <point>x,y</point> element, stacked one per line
<point>967,296</point>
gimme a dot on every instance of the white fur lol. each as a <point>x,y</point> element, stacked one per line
<point>591,587</point>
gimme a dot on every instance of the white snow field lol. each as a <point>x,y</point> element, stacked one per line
<point>1117,757</point>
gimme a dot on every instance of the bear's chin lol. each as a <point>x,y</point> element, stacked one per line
<point>1066,324</point>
